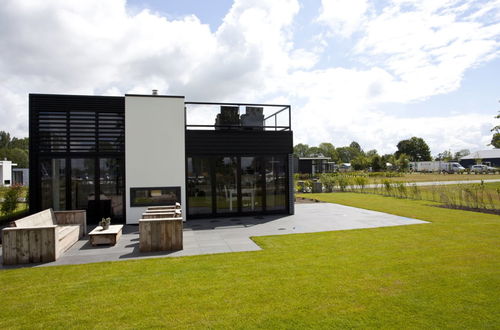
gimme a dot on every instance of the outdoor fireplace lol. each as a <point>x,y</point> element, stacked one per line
<point>156,196</point>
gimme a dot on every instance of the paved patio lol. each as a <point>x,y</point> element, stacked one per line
<point>233,234</point>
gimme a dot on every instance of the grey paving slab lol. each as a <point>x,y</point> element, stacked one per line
<point>234,234</point>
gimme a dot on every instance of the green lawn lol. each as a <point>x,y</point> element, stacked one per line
<point>485,196</point>
<point>429,177</point>
<point>442,274</point>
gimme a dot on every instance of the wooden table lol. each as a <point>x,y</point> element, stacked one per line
<point>109,236</point>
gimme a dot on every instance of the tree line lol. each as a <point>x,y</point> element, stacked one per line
<point>14,149</point>
<point>409,150</point>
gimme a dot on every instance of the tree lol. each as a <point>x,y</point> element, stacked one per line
<point>415,148</point>
<point>355,145</point>
<point>22,143</point>
<point>16,155</point>
<point>461,153</point>
<point>495,140</point>
<point>445,156</point>
<point>315,152</point>
<point>377,163</point>
<point>344,154</point>
<point>301,150</point>
<point>361,162</point>
<point>328,150</point>
<point>403,162</point>
<point>4,139</point>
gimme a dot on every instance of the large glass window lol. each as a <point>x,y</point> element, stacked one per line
<point>251,184</point>
<point>226,183</point>
<point>83,185</point>
<point>263,181</point>
<point>53,183</point>
<point>111,186</point>
<point>199,185</point>
<point>276,187</point>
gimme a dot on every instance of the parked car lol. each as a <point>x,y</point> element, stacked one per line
<point>482,169</point>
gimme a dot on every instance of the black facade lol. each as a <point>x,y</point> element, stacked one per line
<point>77,148</point>
<point>313,166</point>
<point>467,163</point>
<point>77,160</point>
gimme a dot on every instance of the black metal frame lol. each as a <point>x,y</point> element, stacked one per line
<point>283,107</point>
<point>240,212</point>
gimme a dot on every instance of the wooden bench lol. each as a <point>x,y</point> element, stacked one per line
<point>162,214</point>
<point>160,234</point>
<point>43,236</point>
<point>164,207</point>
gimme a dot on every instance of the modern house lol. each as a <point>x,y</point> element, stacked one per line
<point>6,173</point>
<point>20,176</point>
<point>115,156</point>
<point>490,157</point>
<point>314,165</point>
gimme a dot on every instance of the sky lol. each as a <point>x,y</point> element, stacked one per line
<point>375,72</point>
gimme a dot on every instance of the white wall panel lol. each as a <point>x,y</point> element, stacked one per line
<point>154,146</point>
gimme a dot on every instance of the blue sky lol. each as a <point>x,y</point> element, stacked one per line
<point>371,71</point>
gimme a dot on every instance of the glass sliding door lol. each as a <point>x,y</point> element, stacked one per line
<point>111,186</point>
<point>251,184</point>
<point>226,184</point>
<point>83,185</point>
<point>199,185</point>
<point>53,183</point>
<point>276,187</point>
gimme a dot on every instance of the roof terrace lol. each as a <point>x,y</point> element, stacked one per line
<point>237,116</point>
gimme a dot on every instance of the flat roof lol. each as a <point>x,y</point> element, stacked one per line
<point>490,153</point>
<point>313,158</point>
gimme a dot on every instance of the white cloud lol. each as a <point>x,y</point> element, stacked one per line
<point>408,51</point>
<point>428,45</point>
<point>96,46</point>
<point>344,17</point>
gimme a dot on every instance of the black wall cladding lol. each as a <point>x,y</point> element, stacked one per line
<point>239,142</point>
<point>72,123</point>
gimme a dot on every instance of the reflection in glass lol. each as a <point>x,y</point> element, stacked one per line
<point>251,184</point>
<point>111,186</point>
<point>276,190</point>
<point>53,184</point>
<point>199,185</point>
<point>226,169</point>
<point>82,185</point>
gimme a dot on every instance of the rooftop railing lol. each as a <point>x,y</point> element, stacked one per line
<point>237,116</point>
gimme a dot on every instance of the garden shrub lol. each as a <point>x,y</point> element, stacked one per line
<point>11,197</point>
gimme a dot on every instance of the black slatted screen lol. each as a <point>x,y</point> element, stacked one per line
<point>64,126</point>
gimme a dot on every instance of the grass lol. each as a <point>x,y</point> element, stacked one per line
<point>473,195</point>
<point>442,274</point>
<point>428,177</point>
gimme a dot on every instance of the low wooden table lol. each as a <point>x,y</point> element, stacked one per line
<point>109,236</point>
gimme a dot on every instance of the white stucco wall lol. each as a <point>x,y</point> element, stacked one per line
<point>154,146</point>
<point>6,172</point>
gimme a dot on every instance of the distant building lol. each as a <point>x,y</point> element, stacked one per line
<point>314,165</point>
<point>6,173</point>
<point>21,176</point>
<point>489,157</point>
